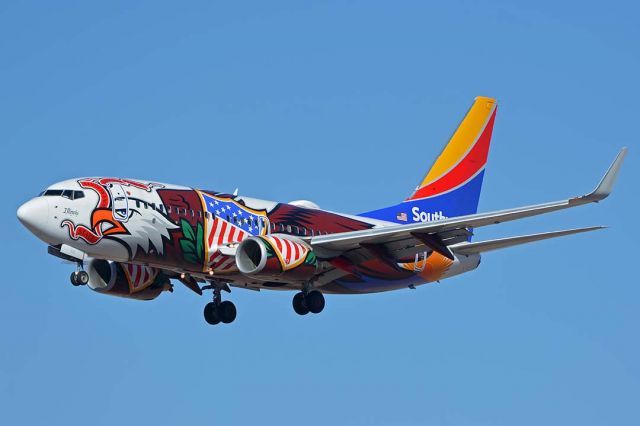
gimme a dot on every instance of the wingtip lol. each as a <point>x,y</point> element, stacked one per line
<point>587,229</point>
<point>605,186</point>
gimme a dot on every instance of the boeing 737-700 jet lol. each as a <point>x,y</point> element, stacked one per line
<point>130,237</point>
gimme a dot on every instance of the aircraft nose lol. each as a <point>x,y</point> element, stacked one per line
<point>34,214</point>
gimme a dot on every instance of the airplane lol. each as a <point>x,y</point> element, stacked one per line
<point>132,238</point>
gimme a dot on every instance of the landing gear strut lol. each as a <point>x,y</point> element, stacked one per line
<point>310,301</point>
<point>80,277</point>
<point>218,311</point>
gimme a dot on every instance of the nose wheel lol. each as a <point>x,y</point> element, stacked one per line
<point>312,301</point>
<point>219,311</point>
<point>79,278</point>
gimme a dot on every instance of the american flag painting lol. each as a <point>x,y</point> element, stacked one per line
<point>139,276</point>
<point>229,222</point>
<point>290,253</point>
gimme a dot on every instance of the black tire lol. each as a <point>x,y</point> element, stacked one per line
<point>83,278</point>
<point>211,313</point>
<point>299,304</point>
<point>227,312</point>
<point>74,279</point>
<point>315,302</point>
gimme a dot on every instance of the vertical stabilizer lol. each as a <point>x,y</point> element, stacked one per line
<point>452,185</point>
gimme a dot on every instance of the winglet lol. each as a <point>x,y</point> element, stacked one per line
<point>605,186</point>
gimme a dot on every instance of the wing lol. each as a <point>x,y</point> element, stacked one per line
<point>500,243</point>
<point>441,235</point>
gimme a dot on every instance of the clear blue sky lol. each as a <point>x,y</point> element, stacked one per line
<point>346,104</point>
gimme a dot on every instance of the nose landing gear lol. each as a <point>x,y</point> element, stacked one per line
<point>217,311</point>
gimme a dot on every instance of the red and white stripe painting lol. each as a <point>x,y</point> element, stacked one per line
<point>220,232</point>
<point>221,263</point>
<point>139,276</point>
<point>291,253</point>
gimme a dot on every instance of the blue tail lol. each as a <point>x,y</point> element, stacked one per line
<point>452,186</point>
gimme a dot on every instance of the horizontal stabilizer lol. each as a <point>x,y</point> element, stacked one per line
<point>483,246</point>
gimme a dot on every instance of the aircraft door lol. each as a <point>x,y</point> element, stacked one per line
<point>119,201</point>
<point>264,226</point>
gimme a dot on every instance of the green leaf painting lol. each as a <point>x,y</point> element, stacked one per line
<point>200,241</point>
<point>270,251</point>
<point>311,259</point>
<point>192,245</point>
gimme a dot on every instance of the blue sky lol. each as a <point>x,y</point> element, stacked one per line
<point>346,104</point>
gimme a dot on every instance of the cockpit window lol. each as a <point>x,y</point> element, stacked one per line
<point>66,193</point>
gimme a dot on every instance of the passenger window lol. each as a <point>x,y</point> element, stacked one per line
<point>289,229</point>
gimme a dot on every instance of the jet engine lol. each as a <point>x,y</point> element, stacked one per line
<point>126,280</point>
<point>276,257</point>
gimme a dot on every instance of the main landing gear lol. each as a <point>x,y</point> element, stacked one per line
<point>308,301</point>
<point>80,277</point>
<point>218,311</point>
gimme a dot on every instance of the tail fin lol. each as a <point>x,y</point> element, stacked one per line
<point>452,185</point>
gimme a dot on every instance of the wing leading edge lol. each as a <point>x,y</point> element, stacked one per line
<point>350,240</point>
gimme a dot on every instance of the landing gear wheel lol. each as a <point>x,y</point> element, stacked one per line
<point>314,301</point>
<point>227,311</point>
<point>79,278</point>
<point>211,313</point>
<point>299,304</point>
<point>83,278</point>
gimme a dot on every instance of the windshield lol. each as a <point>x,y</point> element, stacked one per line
<point>66,193</point>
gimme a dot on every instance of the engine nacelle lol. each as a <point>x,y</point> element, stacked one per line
<point>276,257</point>
<point>126,280</point>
